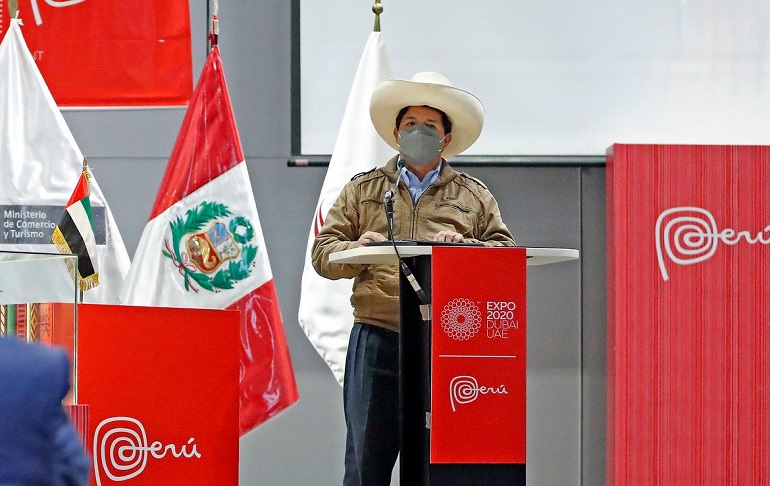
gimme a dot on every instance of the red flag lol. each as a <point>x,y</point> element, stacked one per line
<point>203,247</point>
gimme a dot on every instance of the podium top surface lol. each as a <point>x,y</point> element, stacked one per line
<point>385,254</point>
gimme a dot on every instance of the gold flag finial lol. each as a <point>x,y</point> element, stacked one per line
<point>377,9</point>
<point>87,173</point>
<point>13,8</point>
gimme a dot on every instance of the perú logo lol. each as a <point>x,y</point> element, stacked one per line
<point>461,319</point>
<point>465,389</point>
<point>210,248</point>
<point>121,449</point>
<point>688,235</point>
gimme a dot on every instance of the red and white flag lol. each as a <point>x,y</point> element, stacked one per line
<point>203,247</point>
<point>325,312</point>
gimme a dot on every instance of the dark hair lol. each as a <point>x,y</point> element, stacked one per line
<point>445,121</point>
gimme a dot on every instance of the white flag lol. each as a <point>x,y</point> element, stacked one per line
<point>325,312</point>
<point>40,163</point>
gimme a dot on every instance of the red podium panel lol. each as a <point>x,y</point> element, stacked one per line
<point>161,385</point>
<point>688,338</point>
<point>482,440</point>
<point>479,356</point>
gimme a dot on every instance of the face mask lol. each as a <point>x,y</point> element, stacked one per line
<point>419,145</point>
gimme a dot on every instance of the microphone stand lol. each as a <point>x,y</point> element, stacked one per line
<point>388,201</point>
<point>406,384</point>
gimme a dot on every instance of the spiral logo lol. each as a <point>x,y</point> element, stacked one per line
<point>121,449</point>
<point>460,319</point>
<point>462,390</point>
<point>465,389</point>
<point>687,235</point>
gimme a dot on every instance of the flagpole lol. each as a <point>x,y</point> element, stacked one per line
<point>213,36</point>
<point>87,174</point>
<point>377,9</point>
<point>88,182</point>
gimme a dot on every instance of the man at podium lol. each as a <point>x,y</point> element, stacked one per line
<point>416,195</point>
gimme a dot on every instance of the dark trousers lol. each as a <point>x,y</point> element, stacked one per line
<point>370,398</point>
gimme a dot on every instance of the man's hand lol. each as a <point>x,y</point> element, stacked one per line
<point>368,237</point>
<point>449,236</point>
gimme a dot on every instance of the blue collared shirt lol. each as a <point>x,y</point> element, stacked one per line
<point>415,185</point>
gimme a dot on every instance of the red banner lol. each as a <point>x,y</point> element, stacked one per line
<point>688,339</point>
<point>109,52</point>
<point>479,356</point>
<point>161,387</point>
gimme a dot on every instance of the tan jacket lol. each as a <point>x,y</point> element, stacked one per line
<point>455,201</point>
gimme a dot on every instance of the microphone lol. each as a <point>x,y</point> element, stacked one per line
<point>388,199</point>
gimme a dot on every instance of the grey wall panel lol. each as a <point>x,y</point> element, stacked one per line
<point>129,185</point>
<point>146,133</point>
<point>255,41</point>
<point>593,261</point>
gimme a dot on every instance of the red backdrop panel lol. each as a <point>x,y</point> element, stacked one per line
<point>688,315</point>
<point>479,356</point>
<point>109,52</point>
<point>161,387</point>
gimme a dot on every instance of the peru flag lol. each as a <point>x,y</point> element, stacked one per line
<point>203,247</point>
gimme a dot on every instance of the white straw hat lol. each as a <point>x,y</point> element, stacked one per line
<point>464,110</point>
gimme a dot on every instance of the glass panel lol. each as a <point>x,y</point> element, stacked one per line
<point>38,301</point>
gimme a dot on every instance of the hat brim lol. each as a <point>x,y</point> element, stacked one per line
<point>464,110</point>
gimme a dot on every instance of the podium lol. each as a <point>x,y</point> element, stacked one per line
<point>462,378</point>
<point>155,390</point>
<point>161,384</point>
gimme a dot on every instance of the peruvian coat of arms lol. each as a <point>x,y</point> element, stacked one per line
<point>211,248</point>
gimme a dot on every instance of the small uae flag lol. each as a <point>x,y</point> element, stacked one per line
<point>75,233</point>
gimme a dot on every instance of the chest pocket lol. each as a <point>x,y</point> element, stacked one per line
<point>372,216</point>
<point>452,215</point>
